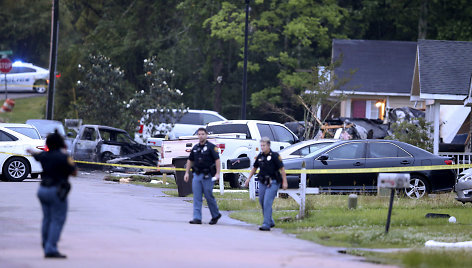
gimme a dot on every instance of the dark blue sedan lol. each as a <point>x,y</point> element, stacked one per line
<point>357,154</point>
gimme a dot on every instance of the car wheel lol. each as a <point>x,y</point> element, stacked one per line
<point>40,86</point>
<point>418,187</point>
<point>16,169</point>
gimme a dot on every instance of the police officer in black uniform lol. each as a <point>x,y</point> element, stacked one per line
<point>53,190</point>
<point>271,176</point>
<point>205,163</point>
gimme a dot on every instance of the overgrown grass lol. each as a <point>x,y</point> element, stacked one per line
<point>25,108</point>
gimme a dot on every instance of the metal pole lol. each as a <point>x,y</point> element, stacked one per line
<point>6,89</point>
<point>52,59</point>
<point>243,105</point>
<point>387,226</point>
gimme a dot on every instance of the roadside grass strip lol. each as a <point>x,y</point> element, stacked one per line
<point>421,258</point>
<point>330,222</point>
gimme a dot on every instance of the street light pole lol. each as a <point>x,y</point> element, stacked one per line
<point>52,59</point>
<point>243,105</point>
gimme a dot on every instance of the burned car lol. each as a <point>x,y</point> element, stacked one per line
<point>97,143</point>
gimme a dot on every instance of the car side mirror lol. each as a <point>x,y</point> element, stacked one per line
<point>323,157</point>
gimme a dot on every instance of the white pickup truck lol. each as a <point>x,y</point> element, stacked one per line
<point>238,142</point>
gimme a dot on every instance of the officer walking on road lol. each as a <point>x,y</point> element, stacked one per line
<point>271,176</point>
<point>53,190</point>
<point>205,163</point>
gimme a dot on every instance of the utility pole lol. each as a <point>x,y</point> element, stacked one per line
<point>53,59</point>
<point>243,105</point>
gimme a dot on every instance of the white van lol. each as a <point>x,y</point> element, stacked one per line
<point>185,126</point>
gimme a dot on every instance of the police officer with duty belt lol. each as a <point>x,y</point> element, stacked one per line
<point>271,176</point>
<point>205,163</point>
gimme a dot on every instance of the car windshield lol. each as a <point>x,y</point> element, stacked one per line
<point>27,131</point>
<point>229,128</point>
<point>109,135</point>
<point>318,150</point>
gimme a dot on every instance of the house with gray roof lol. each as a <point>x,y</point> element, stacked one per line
<point>382,77</point>
<point>442,78</point>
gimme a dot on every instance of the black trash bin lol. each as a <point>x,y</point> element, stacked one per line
<point>184,188</point>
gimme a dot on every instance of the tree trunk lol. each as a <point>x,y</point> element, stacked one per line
<point>423,20</point>
<point>217,80</point>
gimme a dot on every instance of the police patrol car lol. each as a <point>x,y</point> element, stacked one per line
<point>25,77</point>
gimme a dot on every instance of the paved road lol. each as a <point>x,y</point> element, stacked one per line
<point>121,225</point>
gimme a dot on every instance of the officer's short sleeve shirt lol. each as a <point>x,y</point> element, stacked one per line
<point>204,155</point>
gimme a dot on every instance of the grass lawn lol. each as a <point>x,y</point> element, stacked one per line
<point>422,258</point>
<point>25,108</point>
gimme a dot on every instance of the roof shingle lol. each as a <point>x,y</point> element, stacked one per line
<point>444,66</point>
<point>382,66</point>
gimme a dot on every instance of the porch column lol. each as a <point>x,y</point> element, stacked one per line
<point>436,111</point>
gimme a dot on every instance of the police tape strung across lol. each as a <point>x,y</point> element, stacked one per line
<point>290,171</point>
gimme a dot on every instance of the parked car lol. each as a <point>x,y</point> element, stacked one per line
<point>46,127</point>
<point>463,187</point>
<point>184,126</point>
<point>304,148</point>
<point>25,129</point>
<point>107,144</point>
<point>25,76</point>
<point>16,164</point>
<point>356,154</point>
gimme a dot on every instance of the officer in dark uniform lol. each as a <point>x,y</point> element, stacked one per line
<point>53,190</point>
<point>205,163</point>
<point>271,176</point>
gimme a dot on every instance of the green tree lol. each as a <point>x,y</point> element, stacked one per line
<point>287,38</point>
<point>101,92</point>
<point>159,95</point>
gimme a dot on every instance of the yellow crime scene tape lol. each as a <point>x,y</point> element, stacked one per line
<point>291,171</point>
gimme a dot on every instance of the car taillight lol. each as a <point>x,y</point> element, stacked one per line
<point>43,148</point>
<point>222,147</point>
<point>141,127</point>
<point>448,162</point>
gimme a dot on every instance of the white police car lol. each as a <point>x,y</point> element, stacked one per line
<point>25,77</point>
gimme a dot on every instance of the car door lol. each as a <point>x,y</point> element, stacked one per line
<point>85,148</point>
<point>386,154</point>
<point>282,138</point>
<point>7,144</point>
<point>349,155</point>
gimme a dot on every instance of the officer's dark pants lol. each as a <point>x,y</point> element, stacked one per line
<point>266,199</point>
<point>54,216</point>
<point>201,186</point>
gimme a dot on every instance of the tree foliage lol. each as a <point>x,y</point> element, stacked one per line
<point>415,132</point>
<point>202,41</point>
<point>101,92</point>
